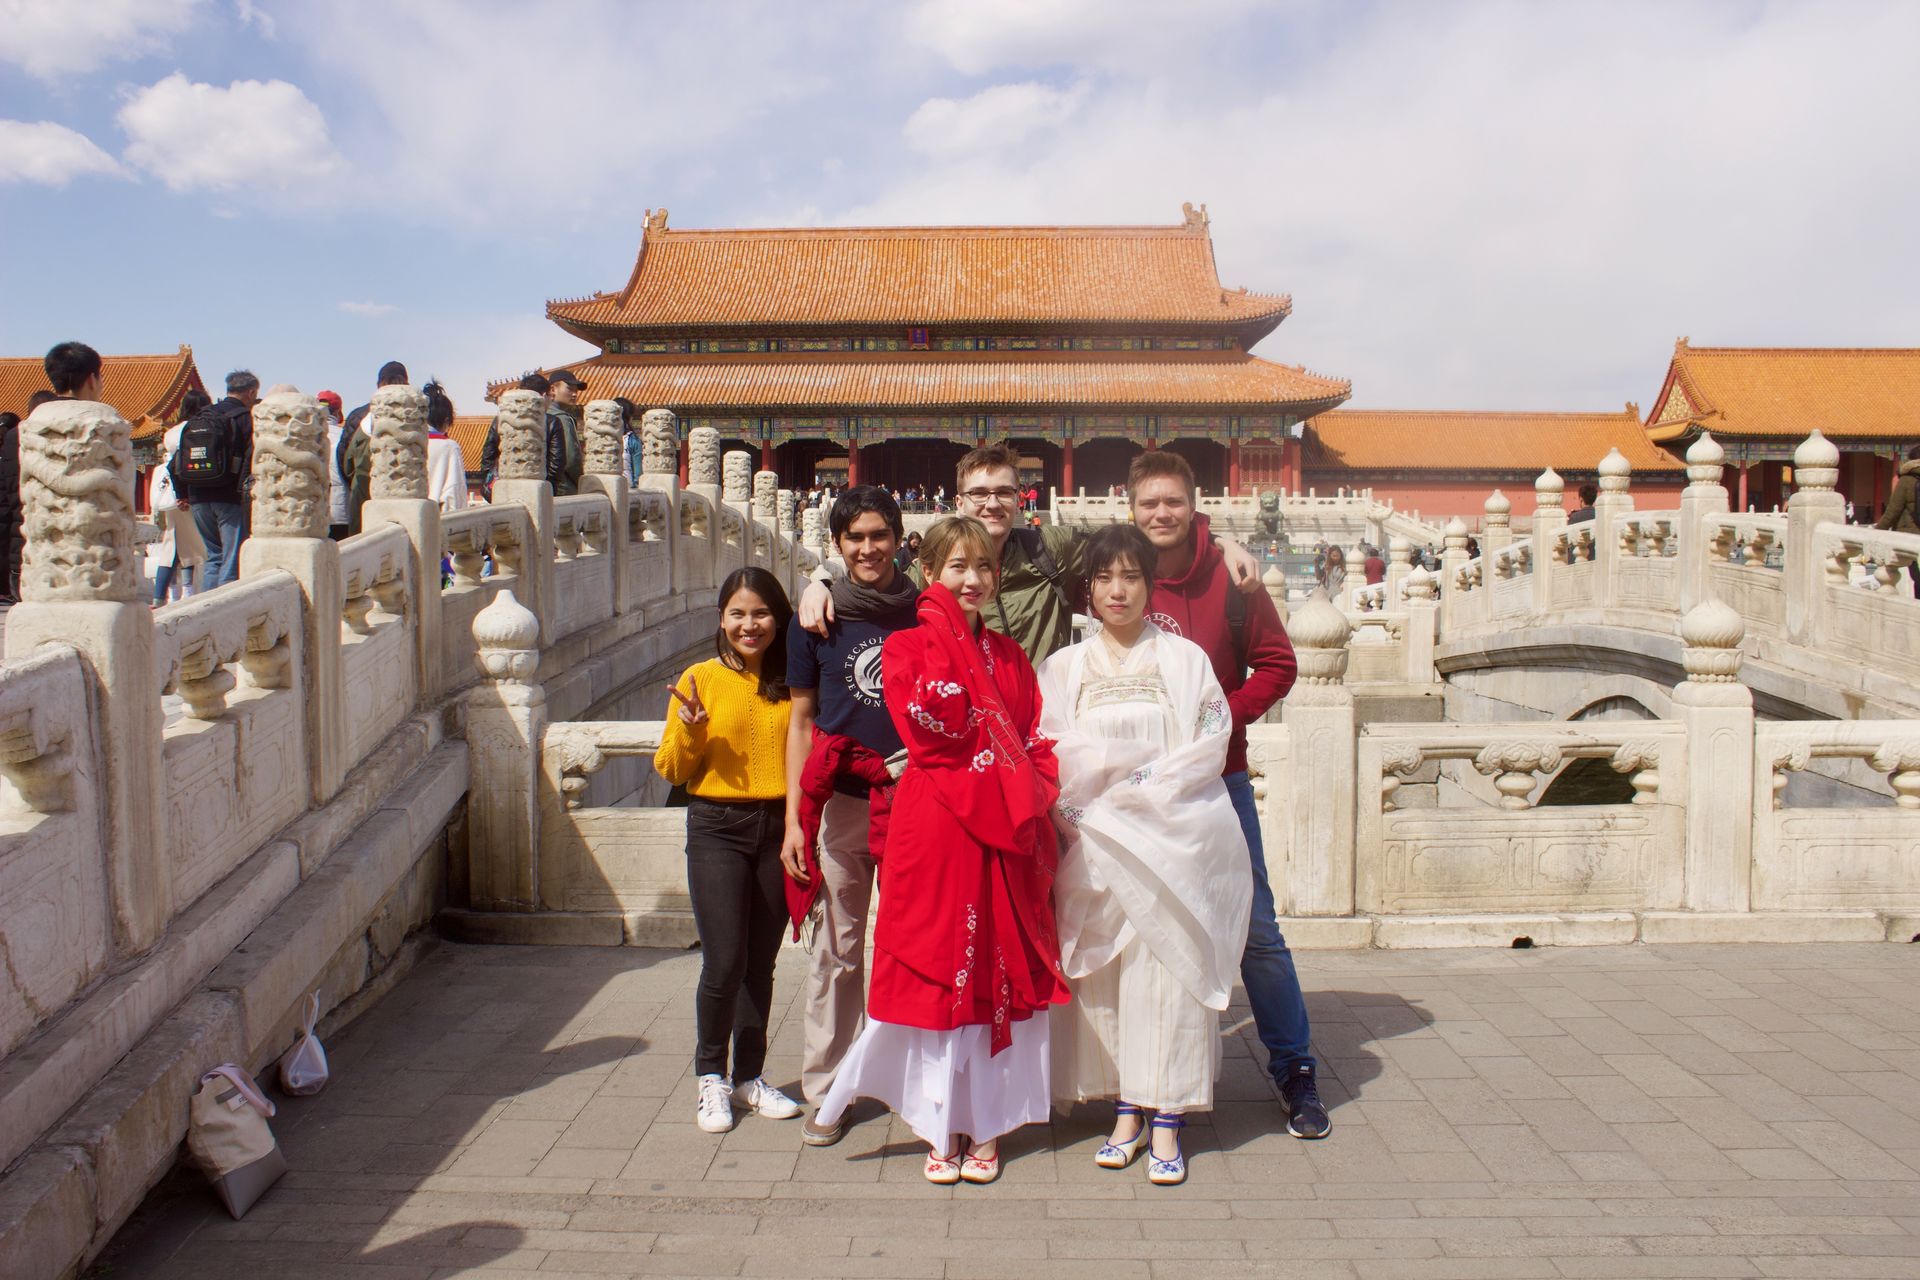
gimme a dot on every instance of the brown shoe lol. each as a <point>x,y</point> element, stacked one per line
<point>815,1134</point>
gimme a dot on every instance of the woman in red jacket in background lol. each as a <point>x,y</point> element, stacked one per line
<point>965,951</point>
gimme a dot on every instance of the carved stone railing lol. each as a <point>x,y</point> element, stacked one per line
<point>275,762</point>
<point>1478,840</point>
<point>1822,603</point>
<point>235,766</point>
<point>1860,856</point>
<point>1591,831</point>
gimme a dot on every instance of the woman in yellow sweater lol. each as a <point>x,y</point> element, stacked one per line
<point>725,741</point>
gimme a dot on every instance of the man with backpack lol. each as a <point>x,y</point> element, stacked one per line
<point>212,473</point>
<point>1253,660</point>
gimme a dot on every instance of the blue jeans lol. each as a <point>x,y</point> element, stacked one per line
<point>223,527</point>
<point>163,579</point>
<point>1266,967</point>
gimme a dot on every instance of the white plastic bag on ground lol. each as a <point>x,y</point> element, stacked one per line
<point>303,1068</point>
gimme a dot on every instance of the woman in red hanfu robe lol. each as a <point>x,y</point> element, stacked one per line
<point>965,951</point>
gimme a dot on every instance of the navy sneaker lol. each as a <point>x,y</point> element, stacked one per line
<point>1306,1115</point>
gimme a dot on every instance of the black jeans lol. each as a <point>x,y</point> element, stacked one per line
<point>740,909</point>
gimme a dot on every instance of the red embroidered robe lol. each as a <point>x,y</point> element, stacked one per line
<point>965,934</point>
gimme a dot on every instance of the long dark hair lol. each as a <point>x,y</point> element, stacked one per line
<point>773,664</point>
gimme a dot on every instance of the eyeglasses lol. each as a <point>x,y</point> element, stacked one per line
<point>980,497</point>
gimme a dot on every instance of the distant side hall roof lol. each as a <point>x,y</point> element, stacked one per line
<point>1469,440</point>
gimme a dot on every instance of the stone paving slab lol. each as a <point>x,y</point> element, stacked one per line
<point>1709,1111</point>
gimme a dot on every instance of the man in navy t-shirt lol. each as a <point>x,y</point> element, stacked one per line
<point>835,683</point>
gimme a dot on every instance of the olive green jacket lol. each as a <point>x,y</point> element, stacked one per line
<point>1902,510</point>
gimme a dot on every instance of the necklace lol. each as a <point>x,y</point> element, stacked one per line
<point>1119,652</point>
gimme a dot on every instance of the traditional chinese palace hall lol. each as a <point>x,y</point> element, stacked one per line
<point>880,355</point>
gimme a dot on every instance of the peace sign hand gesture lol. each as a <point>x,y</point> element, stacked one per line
<point>692,710</point>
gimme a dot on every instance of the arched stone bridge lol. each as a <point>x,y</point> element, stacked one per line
<point>344,775</point>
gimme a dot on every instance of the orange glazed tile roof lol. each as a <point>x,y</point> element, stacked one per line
<point>902,276</point>
<point>469,431</point>
<point>145,390</point>
<point>1783,393</point>
<point>1466,440</point>
<point>924,380</point>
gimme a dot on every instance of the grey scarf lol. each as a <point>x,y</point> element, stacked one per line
<point>857,602</point>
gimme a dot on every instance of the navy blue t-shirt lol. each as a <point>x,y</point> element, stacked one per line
<point>845,669</point>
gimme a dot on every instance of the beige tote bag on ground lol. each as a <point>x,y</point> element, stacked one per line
<point>227,1133</point>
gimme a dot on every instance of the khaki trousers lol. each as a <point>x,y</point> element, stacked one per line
<point>836,1006</point>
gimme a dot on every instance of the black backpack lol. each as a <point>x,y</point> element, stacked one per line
<point>207,455</point>
<point>1041,557</point>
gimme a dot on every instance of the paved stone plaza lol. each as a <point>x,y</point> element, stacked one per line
<point>1632,1111</point>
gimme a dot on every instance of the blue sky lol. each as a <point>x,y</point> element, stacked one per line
<point>1473,205</point>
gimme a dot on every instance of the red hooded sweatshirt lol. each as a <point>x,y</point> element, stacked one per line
<point>1194,605</point>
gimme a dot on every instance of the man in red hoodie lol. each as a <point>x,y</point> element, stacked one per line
<point>1253,660</point>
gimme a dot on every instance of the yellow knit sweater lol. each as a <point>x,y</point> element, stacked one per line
<point>740,752</point>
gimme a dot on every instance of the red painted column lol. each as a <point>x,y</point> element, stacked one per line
<point>1233,468</point>
<point>1740,501</point>
<point>683,462</point>
<point>766,455</point>
<point>1066,468</point>
<point>853,465</point>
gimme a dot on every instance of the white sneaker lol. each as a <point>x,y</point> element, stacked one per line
<point>758,1096</point>
<point>715,1113</point>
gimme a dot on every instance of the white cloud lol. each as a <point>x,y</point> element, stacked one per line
<point>369,310</point>
<point>982,35</point>
<point>251,135</point>
<point>476,114</point>
<point>1500,206</point>
<point>53,38</point>
<point>252,15</point>
<point>50,155</point>
<point>1000,118</point>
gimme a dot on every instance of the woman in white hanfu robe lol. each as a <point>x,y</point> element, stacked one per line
<point>1155,882</point>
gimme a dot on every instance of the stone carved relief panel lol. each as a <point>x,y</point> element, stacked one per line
<point>53,892</point>
<point>1838,859</point>
<point>230,784</point>
<point>614,860</point>
<point>379,677</point>
<point>1756,594</point>
<point>1605,858</point>
<point>1647,583</point>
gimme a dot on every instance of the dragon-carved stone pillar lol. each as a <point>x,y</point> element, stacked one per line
<point>290,517</point>
<point>523,482</point>
<point>605,472</point>
<point>396,427</point>
<point>81,585</point>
